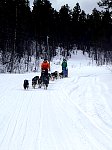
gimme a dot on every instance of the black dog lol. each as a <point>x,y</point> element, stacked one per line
<point>26,84</point>
<point>61,75</point>
<point>34,81</point>
<point>55,75</point>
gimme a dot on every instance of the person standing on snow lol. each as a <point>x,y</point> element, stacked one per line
<point>64,68</point>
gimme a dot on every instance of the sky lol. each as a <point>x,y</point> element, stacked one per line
<point>86,5</point>
<point>74,113</point>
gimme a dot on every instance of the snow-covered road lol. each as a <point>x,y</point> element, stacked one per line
<point>75,113</point>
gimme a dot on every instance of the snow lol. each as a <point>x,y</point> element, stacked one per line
<point>74,113</point>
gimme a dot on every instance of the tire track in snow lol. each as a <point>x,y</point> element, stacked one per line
<point>16,121</point>
<point>29,130</point>
<point>12,123</point>
<point>40,126</point>
<point>102,109</point>
<point>93,93</point>
<point>76,125</point>
<point>85,114</point>
<point>52,122</point>
<point>26,121</point>
<point>63,108</point>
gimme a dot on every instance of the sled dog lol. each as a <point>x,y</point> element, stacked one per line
<point>26,84</point>
<point>34,81</point>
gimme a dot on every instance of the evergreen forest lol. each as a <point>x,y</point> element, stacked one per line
<point>37,32</point>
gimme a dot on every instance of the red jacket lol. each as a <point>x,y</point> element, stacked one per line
<point>45,65</point>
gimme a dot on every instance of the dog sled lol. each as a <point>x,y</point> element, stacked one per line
<point>43,80</point>
<point>65,72</point>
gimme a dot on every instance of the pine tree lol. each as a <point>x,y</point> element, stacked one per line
<point>75,21</point>
<point>64,23</point>
<point>106,4</point>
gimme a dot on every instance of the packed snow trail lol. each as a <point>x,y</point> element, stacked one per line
<point>74,113</point>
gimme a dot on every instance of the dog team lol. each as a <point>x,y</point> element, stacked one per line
<point>44,78</point>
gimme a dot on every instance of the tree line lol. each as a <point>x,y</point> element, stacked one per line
<point>25,31</point>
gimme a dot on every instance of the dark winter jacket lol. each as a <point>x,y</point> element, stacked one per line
<point>64,65</point>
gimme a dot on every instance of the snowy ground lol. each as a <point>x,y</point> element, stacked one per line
<point>75,113</point>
